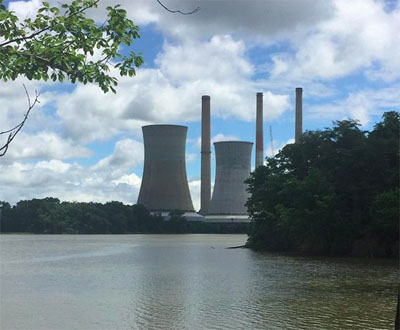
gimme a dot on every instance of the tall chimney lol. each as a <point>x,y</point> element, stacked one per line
<point>299,114</point>
<point>205,190</point>
<point>259,131</point>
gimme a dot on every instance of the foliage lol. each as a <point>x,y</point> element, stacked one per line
<point>327,192</point>
<point>60,42</point>
<point>177,221</point>
<point>50,216</point>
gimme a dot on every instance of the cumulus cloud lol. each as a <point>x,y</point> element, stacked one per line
<point>14,104</point>
<point>221,137</point>
<point>360,105</point>
<point>360,34</point>
<point>127,154</point>
<point>257,17</point>
<point>314,43</point>
<point>110,179</point>
<point>44,145</point>
<point>278,145</point>
<point>170,92</point>
<point>217,138</point>
<point>194,187</point>
<point>25,9</point>
<point>191,158</point>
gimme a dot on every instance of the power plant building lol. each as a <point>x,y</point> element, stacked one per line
<point>165,187</point>
<point>164,184</point>
<point>233,166</point>
<point>205,185</point>
<point>259,131</point>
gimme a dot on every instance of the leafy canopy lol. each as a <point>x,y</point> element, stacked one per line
<point>334,192</point>
<point>60,42</point>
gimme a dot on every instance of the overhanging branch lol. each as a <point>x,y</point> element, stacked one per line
<point>14,131</point>
<point>178,11</point>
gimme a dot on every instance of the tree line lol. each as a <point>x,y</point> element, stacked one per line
<point>334,192</point>
<point>51,216</point>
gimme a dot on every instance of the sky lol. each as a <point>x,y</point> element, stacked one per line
<point>80,144</point>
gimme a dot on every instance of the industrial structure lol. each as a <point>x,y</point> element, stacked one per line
<point>164,184</point>
<point>233,165</point>
<point>259,131</point>
<point>299,115</point>
<point>165,187</point>
<point>205,185</point>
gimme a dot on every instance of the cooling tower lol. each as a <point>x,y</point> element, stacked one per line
<point>232,169</point>
<point>205,191</point>
<point>164,183</point>
<point>259,131</point>
<point>299,114</point>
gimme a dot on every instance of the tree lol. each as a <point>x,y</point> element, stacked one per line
<point>336,191</point>
<point>60,43</point>
<point>177,222</point>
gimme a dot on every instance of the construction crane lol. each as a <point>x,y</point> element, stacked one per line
<point>272,141</point>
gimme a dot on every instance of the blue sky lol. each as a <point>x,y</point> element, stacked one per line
<point>80,144</point>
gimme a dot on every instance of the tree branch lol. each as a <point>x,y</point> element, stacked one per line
<point>14,131</point>
<point>178,11</point>
<point>24,38</point>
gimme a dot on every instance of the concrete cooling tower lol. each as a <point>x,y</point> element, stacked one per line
<point>233,167</point>
<point>164,183</point>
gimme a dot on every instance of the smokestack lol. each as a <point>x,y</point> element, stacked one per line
<point>299,114</point>
<point>205,190</point>
<point>259,131</point>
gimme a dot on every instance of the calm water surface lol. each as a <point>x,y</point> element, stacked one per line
<point>185,282</point>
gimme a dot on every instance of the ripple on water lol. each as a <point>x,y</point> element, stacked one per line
<point>178,282</point>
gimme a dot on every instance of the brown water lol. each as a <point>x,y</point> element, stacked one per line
<point>185,282</point>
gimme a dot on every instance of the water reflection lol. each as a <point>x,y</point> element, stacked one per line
<point>185,282</point>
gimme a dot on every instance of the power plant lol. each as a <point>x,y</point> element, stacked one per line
<point>164,183</point>
<point>233,165</point>
<point>259,131</point>
<point>299,115</point>
<point>165,187</point>
<point>205,185</point>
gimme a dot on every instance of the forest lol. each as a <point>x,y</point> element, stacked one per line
<point>50,216</point>
<point>336,192</point>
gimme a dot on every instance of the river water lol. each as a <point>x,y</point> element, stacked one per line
<point>185,282</point>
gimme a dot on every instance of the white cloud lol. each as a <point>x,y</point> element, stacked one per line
<point>127,154</point>
<point>170,92</point>
<point>360,35</point>
<point>206,53</point>
<point>194,187</point>
<point>110,179</point>
<point>278,145</point>
<point>221,59</point>
<point>25,9</point>
<point>44,145</point>
<point>191,158</point>
<point>258,18</point>
<point>359,105</point>
<point>131,180</point>
<point>221,137</point>
<point>218,137</point>
<point>255,19</point>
